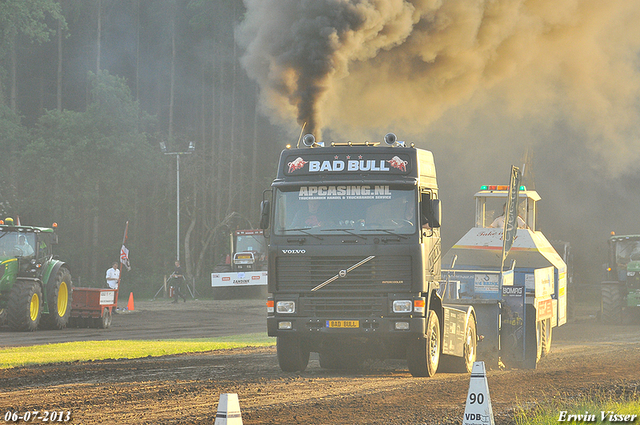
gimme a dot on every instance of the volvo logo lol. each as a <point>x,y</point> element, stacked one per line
<point>342,273</point>
<point>294,251</point>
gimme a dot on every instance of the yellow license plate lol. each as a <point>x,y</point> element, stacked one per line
<point>343,324</point>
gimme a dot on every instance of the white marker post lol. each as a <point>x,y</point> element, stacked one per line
<point>228,410</point>
<point>478,410</point>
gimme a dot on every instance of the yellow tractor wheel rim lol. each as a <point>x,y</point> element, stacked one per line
<point>63,299</point>
<point>34,308</point>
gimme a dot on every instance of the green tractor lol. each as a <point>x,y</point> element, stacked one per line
<point>35,287</point>
<point>621,289</point>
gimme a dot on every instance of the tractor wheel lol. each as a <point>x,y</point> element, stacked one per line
<point>463,364</point>
<point>58,300</point>
<point>611,305</point>
<point>423,354</point>
<point>547,334</point>
<point>3,316</point>
<point>293,356</point>
<point>25,306</point>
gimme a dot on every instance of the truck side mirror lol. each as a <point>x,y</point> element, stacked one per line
<point>265,212</point>
<point>436,214</point>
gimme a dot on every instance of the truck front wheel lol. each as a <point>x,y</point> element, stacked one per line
<point>293,356</point>
<point>59,300</point>
<point>423,354</point>
<point>25,306</point>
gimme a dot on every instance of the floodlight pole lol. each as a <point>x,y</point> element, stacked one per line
<point>191,149</point>
<point>177,207</point>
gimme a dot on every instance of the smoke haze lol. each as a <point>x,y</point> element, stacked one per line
<point>476,82</point>
<point>372,65</point>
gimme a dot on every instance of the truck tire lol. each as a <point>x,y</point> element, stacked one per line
<point>25,306</point>
<point>463,364</point>
<point>611,304</point>
<point>547,334</point>
<point>293,356</point>
<point>423,354</point>
<point>58,300</point>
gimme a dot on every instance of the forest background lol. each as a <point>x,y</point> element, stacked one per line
<point>89,91</point>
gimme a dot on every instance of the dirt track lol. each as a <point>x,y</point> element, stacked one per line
<point>586,357</point>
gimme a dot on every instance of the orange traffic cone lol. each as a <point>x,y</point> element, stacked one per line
<point>130,305</point>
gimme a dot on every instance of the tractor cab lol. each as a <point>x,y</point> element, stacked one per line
<point>491,201</point>
<point>24,248</point>
<point>624,263</point>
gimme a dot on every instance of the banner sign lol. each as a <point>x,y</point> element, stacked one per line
<point>239,278</point>
<point>315,164</point>
<point>511,212</point>
<point>344,192</point>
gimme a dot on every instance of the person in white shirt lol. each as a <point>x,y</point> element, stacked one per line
<point>113,276</point>
<point>499,221</point>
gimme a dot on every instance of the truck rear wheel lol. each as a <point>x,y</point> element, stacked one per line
<point>58,300</point>
<point>423,354</point>
<point>611,304</point>
<point>463,364</point>
<point>293,356</point>
<point>25,306</point>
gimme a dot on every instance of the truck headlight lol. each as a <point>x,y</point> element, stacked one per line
<point>402,306</point>
<point>286,307</point>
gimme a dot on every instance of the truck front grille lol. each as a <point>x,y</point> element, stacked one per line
<point>343,308</point>
<point>381,274</point>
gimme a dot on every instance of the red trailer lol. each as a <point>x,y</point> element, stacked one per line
<point>92,307</point>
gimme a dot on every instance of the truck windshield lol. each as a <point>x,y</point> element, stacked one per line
<point>254,243</point>
<point>334,209</point>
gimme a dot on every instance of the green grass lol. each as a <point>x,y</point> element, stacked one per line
<point>119,349</point>
<point>549,411</point>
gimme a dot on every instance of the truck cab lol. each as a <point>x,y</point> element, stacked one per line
<point>354,258</point>
<point>249,249</point>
